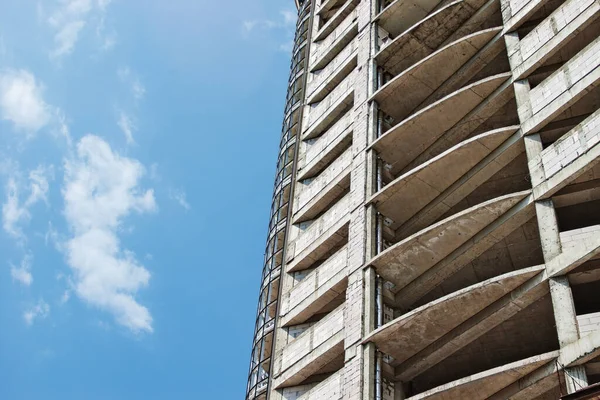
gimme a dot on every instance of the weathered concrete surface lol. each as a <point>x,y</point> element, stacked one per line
<point>405,261</point>
<point>484,384</point>
<point>314,348</point>
<point>405,141</point>
<point>318,288</point>
<point>412,332</point>
<point>431,179</point>
<point>408,90</point>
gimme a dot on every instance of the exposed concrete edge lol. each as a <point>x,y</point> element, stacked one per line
<point>475,327</point>
<point>335,20</point>
<point>319,202</point>
<point>497,159</point>
<point>468,251</point>
<point>439,161</point>
<point>482,378</point>
<point>519,277</point>
<point>423,114</point>
<point>390,10</point>
<point>320,246</point>
<point>333,150</point>
<point>509,201</point>
<point>318,127</point>
<point>486,34</point>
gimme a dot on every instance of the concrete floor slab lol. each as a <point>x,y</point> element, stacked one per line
<point>428,181</point>
<point>482,385</point>
<point>405,141</point>
<point>412,332</point>
<point>409,89</point>
<point>410,258</point>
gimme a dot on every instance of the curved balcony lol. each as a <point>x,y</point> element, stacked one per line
<point>404,142</point>
<point>430,180</point>
<point>403,262</point>
<point>405,336</point>
<point>415,85</point>
<point>485,384</point>
<point>402,14</point>
<point>411,43</point>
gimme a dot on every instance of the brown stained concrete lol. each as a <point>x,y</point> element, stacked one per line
<point>427,35</point>
<point>475,327</point>
<point>493,112</point>
<point>473,247</point>
<point>477,176</point>
<point>484,384</point>
<point>431,179</point>
<point>408,90</point>
<point>405,261</point>
<point>404,142</point>
<point>412,332</point>
<point>402,14</point>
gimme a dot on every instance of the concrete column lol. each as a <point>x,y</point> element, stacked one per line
<point>548,225</point>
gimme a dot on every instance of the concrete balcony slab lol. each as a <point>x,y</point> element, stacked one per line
<point>484,384</point>
<point>430,180</point>
<point>426,35</point>
<point>407,91</point>
<point>406,141</point>
<point>407,335</point>
<point>413,256</point>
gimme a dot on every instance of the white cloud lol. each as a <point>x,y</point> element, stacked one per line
<point>70,17</point>
<point>21,100</point>
<point>66,38</point>
<point>22,273</point>
<point>130,78</point>
<point>13,212</point>
<point>102,188</point>
<point>180,197</point>
<point>38,311</point>
<point>127,127</point>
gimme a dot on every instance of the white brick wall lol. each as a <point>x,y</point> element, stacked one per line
<point>312,338</point>
<point>317,110</point>
<point>320,48</point>
<point>588,323</point>
<point>575,236</point>
<point>566,77</point>
<point>552,25</point>
<point>318,279</point>
<point>568,148</point>
<point>308,189</point>
<point>319,226</point>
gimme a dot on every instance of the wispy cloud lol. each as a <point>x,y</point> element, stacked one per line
<point>127,126</point>
<point>70,17</point>
<point>179,197</point>
<point>14,212</point>
<point>101,189</point>
<point>22,273</point>
<point>21,101</point>
<point>283,24</point>
<point>41,310</point>
<point>127,76</point>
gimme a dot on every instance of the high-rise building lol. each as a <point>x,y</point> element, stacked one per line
<point>435,227</point>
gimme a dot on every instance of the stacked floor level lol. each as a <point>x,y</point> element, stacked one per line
<point>440,237</point>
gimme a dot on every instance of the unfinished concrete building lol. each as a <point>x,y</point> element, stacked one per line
<point>435,228</point>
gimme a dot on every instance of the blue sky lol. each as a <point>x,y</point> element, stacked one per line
<point>137,154</point>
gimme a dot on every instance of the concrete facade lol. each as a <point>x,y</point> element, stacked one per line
<point>435,230</point>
